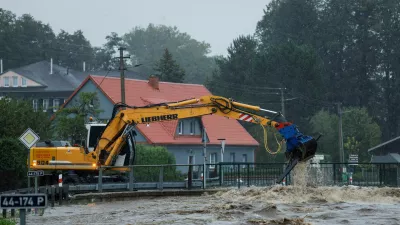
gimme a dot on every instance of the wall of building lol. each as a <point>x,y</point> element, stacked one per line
<point>105,105</point>
<point>182,153</point>
<point>11,75</point>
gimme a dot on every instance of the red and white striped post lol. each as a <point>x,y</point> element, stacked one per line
<point>60,180</point>
<point>351,178</point>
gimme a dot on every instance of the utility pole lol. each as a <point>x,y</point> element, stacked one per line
<point>282,102</point>
<point>122,69</point>
<point>340,113</point>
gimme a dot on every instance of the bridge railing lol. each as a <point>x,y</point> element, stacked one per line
<point>192,176</point>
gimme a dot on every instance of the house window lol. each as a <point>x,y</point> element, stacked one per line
<point>15,81</point>
<point>6,81</point>
<point>45,105</point>
<point>213,160</point>
<point>35,105</point>
<point>232,157</point>
<point>244,159</point>
<point>192,127</point>
<point>56,104</point>
<point>23,82</point>
<point>180,127</point>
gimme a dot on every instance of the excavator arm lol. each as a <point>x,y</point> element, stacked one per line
<point>298,146</point>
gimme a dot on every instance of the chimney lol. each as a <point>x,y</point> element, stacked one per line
<point>1,66</point>
<point>84,66</point>
<point>51,66</point>
<point>153,82</point>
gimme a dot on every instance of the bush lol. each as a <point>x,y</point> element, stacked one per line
<point>13,166</point>
<point>7,221</point>
<point>155,155</point>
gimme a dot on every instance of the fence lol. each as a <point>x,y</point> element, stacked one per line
<point>254,174</point>
<point>233,174</point>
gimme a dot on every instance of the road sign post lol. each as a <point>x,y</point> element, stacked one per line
<point>23,202</point>
<point>353,159</point>
<point>35,173</point>
<point>29,139</point>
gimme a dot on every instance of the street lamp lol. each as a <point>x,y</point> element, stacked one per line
<point>222,157</point>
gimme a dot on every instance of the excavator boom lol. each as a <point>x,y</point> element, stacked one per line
<point>299,147</point>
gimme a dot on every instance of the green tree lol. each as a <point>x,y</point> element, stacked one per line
<point>147,44</point>
<point>386,104</point>
<point>168,69</point>
<point>24,40</point>
<point>289,21</point>
<point>17,116</point>
<point>104,56</point>
<point>360,132</point>
<point>73,50</point>
<point>14,163</point>
<point>236,71</point>
<point>69,123</point>
<point>327,124</point>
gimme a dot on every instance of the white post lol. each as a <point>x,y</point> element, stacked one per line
<point>51,66</point>
<point>84,66</point>
<point>1,66</point>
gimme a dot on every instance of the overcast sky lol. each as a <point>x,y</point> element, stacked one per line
<point>217,22</point>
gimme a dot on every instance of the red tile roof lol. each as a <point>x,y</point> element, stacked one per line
<point>139,93</point>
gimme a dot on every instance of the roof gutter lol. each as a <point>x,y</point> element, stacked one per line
<point>384,143</point>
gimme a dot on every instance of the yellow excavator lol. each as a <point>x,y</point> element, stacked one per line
<point>113,144</point>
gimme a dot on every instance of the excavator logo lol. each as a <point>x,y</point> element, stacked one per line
<point>159,118</point>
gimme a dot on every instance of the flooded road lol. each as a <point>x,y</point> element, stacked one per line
<point>267,205</point>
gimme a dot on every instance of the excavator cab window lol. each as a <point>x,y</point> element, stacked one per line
<point>95,133</point>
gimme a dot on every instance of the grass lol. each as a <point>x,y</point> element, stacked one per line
<point>7,221</point>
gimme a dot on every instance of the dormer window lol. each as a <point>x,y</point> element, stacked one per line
<point>6,81</point>
<point>23,82</point>
<point>15,81</point>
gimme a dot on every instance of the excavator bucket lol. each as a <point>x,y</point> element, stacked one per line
<point>308,150</point>
<point>303,152</point>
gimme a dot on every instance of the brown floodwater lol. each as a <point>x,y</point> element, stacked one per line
<point>296,204</point>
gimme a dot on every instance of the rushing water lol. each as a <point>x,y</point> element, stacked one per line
<point>299,204</point>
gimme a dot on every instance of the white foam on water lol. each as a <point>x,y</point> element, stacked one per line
<point>307,188</point>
